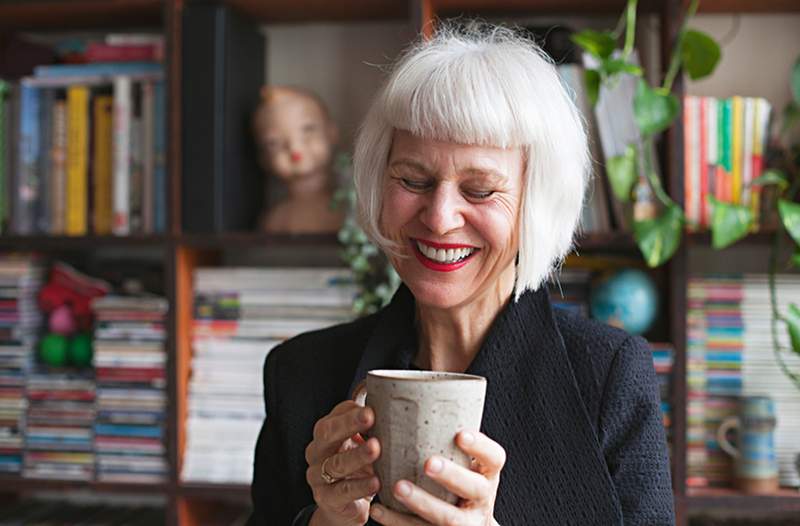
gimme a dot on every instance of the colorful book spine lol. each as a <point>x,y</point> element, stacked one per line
<point>712,151</point>
<point>747,150</point>
<point>160,159</point>
<point>97,68</point>
<point>101,52</point>
<point>726,160</point>
<point>44,211</point>
<point>122,153</point>
<point>737,107</point>
<point>77,160</point>
<point>27,177</point>
<point>58,167</point>
<point>102,161</point>
<point>702,166</point>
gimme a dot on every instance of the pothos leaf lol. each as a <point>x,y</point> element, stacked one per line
<point>790,215</point>
<point>792,319</point>
<point>658,238</point>
<point>622,173</point>
<point>729,223</point>
<point>654,110</point>
<point>700,54</point>
<point>591,79</point>
<point>772,177</point>
<point>598,43</point>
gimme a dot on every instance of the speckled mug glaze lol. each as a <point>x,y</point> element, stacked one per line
<point>417,415</point>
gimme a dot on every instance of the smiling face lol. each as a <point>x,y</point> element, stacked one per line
<point>454,211</point>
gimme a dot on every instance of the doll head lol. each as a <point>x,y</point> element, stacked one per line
<point>294,134</point>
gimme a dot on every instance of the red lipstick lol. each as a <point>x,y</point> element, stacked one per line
<point>435,265</point>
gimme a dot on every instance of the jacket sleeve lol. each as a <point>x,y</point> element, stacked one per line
<point>268,491</point>
<point>633,438</point>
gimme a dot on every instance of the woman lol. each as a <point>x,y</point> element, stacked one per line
<point>470,169</point>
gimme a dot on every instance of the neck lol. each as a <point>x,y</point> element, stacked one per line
<point>312,184</point>
<point>450,338</point>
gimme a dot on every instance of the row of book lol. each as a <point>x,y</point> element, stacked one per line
<point>240,314</point>
<point>20,319</point>
<point>83,147</point>
<point>729,355</point>
<point>724,145</point>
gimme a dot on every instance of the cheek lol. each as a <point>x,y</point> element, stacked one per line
<point>398,209</point>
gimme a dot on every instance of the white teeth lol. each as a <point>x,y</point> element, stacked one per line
<point>444,256</point>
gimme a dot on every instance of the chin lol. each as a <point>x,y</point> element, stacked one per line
<point>437,295</point>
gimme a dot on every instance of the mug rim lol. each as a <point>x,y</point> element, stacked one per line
<point>411,375</point>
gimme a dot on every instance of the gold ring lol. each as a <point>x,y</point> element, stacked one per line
<point>327,477</point>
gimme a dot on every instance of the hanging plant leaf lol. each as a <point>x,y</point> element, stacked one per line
<point>790,215</point>
<point>729,223</point>
<point>654,110</point>
<point>613,66</point>
<point>772,177</point>
<point>658,238</point>
<point>792,320</point>
<point>622,173</point>
<point>791,116</point>
<point>700,54</point>
<point>591,78</point>
<point>597,43</point>
<point>796,81</point>
<point>796,258</point>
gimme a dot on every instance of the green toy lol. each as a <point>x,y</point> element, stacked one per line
<point>80,350</point>
<point>53,350</point>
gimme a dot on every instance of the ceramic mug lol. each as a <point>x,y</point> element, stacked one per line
<point>417,415</point>
<point>756,462</point>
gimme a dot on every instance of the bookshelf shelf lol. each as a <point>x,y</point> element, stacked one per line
<point>46,243</point>
<point>22,485</point>
<point>704,499</point>
<point>254,240</point>
<point>230,492</point>
<point>277,11</point>
<point>80,14</point>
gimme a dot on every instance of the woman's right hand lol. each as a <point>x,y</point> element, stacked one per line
<point>348,458</point>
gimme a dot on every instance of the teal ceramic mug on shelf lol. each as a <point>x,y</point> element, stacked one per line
<point>756,462</point>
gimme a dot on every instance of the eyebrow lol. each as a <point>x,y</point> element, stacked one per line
<point>491,174</point>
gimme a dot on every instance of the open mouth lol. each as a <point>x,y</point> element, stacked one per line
<point>441,257</point>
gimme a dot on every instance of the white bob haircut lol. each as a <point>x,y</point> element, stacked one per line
<point>485,85</point>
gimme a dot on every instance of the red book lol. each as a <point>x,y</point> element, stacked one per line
<point>100,52</point>
<point>703,219</point>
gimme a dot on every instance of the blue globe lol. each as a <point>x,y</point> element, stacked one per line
<point>626,299</point>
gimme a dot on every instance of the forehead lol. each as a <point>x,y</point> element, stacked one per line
<point>431,153</point>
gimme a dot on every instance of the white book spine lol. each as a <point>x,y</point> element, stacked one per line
<point>122,152</point>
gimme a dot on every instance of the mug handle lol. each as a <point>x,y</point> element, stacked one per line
<point>732,422</point>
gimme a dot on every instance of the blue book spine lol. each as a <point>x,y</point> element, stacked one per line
<point>97,68</point>
<point>160,168</point>
<point>27,169</point>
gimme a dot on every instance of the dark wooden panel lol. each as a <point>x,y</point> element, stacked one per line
<point>45,243</point>
<point>79,14</point>
<point>277,11</point>
<point>15,484</point>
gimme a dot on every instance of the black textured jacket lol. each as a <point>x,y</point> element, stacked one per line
<point>573,402</point>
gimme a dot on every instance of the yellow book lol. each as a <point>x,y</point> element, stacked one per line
<point>103,107</point>
<point>738,144</point>
<point>755,197</point>
<point>77,160</point>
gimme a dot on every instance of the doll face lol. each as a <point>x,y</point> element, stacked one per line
<point>294,136</point>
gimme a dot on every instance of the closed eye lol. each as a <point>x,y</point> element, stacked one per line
<point>479,195</point>
<point>415,185</point>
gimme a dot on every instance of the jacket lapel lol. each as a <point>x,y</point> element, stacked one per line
<point>533,409</point>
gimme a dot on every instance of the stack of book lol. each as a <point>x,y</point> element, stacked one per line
<point>761,372</point>
<point>724,145</point>
<point>730,354</point>
<point>714,374</point>
<point>663,360</point>
<point>85,143</point>
<point>20,279</point>
<point>239,315</point>
<point>130,362</point>
<point>58,438</point>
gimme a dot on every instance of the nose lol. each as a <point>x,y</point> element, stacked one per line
<point>295,156</point>
<point>443,211</point>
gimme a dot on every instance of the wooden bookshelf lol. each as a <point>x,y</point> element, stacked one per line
<point>191,503</point>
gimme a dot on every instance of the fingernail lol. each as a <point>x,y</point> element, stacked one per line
<point>435,465</point>
<point>403,488</point>
<point>467,437</point>
<point>375,511</point>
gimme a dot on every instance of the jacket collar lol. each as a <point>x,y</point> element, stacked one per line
<point>533,406</point>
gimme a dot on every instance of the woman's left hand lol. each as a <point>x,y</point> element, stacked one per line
<point>476,487</point>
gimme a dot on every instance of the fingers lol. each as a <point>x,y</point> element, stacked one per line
<point>490,455</point>
<point>346,420</point>
<point>421,503</point>
<point>339,495</point>
<point>459,480</point>
<point>346,463</point>
<point>388,517</point>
